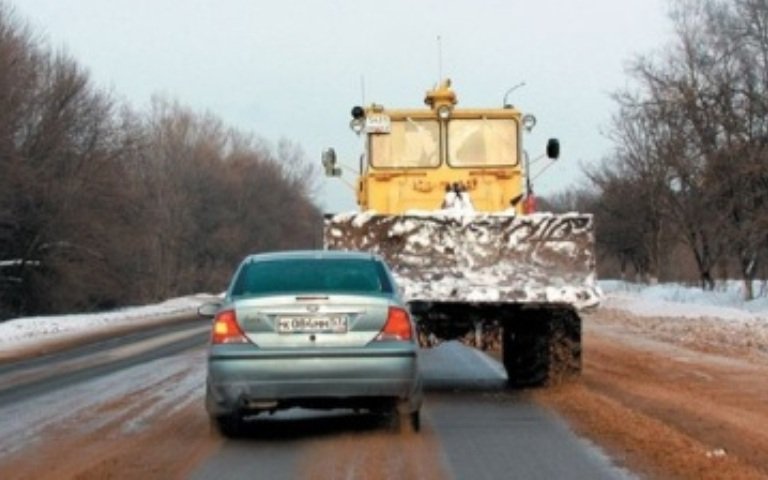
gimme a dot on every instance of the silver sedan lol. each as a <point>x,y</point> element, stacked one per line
<point>311,329</point>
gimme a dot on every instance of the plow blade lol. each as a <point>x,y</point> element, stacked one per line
<point>478,258</point>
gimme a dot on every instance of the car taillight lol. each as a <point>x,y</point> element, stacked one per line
<point>398,326</point>
<point>226,329</point>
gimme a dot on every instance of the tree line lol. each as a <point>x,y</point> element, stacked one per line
<point>102,205</point>
<point>688,175</point>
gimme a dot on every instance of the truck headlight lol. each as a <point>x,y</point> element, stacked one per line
<point>529,121</point>
<point>357,125</point>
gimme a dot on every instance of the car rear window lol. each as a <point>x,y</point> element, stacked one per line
<point>311,275</point>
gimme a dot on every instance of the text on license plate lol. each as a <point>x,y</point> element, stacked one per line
<point>334,324</point>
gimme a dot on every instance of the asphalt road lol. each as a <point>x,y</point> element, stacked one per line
<point>472,427</point>
<point>20,380</point>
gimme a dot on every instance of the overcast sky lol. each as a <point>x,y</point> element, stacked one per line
<point>293,69</point>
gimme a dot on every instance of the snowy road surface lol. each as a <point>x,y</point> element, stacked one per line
<point>33,377</point>
<point>472,428</point>
<point>96,423</point>
<point>673,387</point>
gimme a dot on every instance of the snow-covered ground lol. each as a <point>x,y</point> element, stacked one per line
<point>674,300</point>
<point>719,320</point>
<point>120,398</point>
<point>23,332</point>
<point>724,306</point>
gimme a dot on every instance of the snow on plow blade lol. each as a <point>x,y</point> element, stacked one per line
<point>445,257</point>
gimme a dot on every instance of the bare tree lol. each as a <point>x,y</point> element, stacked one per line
<point>215,194</point>
<point>103,206</point>
<point>693,132</point>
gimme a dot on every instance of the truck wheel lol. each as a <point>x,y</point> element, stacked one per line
<point>543,348</point>
<point>524,353</point>
<point>564,347</point>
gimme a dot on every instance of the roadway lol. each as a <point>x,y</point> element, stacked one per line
<point>132,407</point>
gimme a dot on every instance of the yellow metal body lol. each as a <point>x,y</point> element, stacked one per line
<point>414,155</point>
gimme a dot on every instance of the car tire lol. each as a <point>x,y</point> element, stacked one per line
<point>416,421</point>
<point>230,425</point>
<point>400,422</point>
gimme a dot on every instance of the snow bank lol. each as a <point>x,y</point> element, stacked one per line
<point>719,320</point>
<point>674,300</point>
<point>722,309</point>
<point>26,330</point>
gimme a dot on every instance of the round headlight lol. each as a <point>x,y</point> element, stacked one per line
<point>529,121</point>
<point>444,112</point>
<point>357,125</point>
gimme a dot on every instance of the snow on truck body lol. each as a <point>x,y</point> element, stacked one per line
<point>443,257</point>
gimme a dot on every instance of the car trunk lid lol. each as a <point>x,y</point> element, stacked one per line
<point>312,320</point>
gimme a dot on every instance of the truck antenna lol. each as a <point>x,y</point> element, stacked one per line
<point>512,89</point>
<point>439,59</point>
<point>362,88</point>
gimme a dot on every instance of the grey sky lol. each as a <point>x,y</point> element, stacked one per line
<point>293,69</point>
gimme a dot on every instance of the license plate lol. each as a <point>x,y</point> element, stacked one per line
<point>334,324</point>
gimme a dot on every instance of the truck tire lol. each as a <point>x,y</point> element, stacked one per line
<point>564,346</point>
<point>542,347</point>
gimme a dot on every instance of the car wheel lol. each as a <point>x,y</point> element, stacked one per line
<point>416,420</point>
<point>400,422</point>
<point>230,426</point>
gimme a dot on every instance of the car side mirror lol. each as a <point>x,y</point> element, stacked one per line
<point>208,310</point>
<point>553,148</point>
<point>329,163</point>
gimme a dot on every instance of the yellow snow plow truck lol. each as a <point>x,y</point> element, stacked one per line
<point>445,199</point>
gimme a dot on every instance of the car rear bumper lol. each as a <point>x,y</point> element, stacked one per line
<point>271,380</point>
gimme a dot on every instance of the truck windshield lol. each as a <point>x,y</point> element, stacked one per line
<point>410,143</point>
<point>482,142</point>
